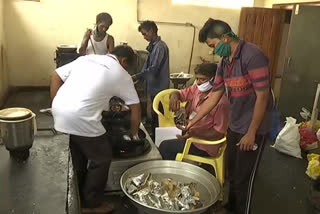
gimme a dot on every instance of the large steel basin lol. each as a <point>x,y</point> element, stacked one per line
<point>207,184</point>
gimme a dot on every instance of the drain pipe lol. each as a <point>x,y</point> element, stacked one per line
<point>187,24</point>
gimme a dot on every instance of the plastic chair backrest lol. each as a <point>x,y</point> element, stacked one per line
<point>167,118</point>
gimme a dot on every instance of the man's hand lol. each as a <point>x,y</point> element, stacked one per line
<point>87,34</point>
<point>135,118</point>
<point>135,78</point>
<point>84,43</point>
<point>174,104</point>
<point>181,128</point>
<point>189,125</point>
<point>183,137</point>
<point>247,141</point>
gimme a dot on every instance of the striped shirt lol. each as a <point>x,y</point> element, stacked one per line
<point>248,72</point>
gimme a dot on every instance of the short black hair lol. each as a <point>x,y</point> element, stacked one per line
<point>148,25</point>
<point>207,69</point>
<point>213,29</point>
<point>124,51</point>
<point>104,17</point>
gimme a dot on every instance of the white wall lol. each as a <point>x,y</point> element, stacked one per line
<point>259,3</point>
<point>34,29</point>
<point>3,68</point>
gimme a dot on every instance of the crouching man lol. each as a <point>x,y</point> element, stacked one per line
<point>81,90</point>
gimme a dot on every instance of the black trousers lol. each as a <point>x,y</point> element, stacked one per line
<point>241,167</point>
<point>169,149</point>
<point>91,158</point>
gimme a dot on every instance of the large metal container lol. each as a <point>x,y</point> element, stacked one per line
<point>207,184</point>
<point>18,135</point>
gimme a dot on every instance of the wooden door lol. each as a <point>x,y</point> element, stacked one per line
<point>263,27</point>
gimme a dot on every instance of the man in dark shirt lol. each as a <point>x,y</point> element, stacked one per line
<point>243,73</point>
<point>156,68</point>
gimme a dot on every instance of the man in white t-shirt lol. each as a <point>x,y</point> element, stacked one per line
<point>81,90</point>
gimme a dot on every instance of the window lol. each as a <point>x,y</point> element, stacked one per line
<point>217,3</point>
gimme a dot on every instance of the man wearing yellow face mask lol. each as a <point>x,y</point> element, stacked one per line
<point>243,73</point>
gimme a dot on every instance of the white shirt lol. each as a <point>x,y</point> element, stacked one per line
<point>99,48</point>
<point>89,83</point>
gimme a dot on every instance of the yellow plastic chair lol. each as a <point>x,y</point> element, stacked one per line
<point>167,118</point>
<point>217,162</point>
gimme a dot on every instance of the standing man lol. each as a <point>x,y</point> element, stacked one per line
<point>98,41</point>
<point>81,90</point>
<point>156,68</point>
<point>244,71</point>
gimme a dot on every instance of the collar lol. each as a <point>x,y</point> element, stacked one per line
<point>239,49</point>
<point>156,40</point>
<point>238,52</point>
<point>113,57</point>
<point>201,100</point>
<point>102,59</point>
<point>152,44</point>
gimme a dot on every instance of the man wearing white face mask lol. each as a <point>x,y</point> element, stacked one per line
<point>211,127</point>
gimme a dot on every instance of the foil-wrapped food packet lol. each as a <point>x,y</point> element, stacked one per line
<point>180,117</point>
<point>141,179</point>
<point>141,195</point>
<point>167,194</point>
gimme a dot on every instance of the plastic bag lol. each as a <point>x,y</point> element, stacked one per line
<point>308,139</point>
<point>288,140</point>
<point>313,170</point>
<point>307,124</point>
<point>318,135</point>
<point>180,117</point>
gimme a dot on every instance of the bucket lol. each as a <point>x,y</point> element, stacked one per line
<point>17,128</point>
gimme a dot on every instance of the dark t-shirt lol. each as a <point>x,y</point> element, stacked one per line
<point>248,72</point>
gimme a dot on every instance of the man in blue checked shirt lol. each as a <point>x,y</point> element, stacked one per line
<point>156,68</point>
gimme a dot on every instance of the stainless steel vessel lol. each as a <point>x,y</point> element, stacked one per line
<point>207,184</point>
<point>18,134</point>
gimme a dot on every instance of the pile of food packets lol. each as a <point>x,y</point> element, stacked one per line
<point>167,194</point>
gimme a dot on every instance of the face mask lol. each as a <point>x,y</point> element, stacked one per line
<point>205,86</point>
<point>222,49</point>
<point>98,34</point>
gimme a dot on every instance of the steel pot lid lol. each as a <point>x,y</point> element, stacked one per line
<point>180,76</point>
<point>67,48</point>
<point>15,113</point>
